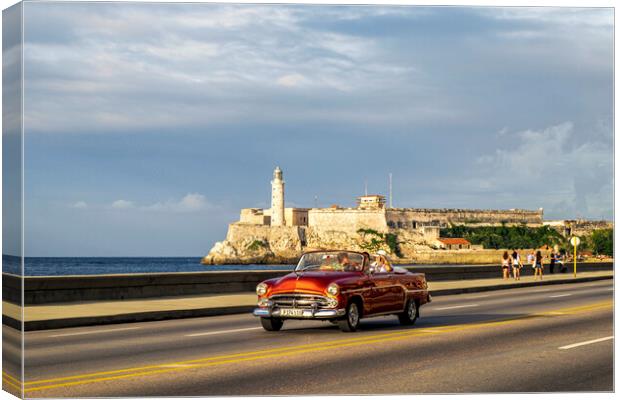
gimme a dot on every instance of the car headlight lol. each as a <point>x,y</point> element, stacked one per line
<point>261,289</point>
<point>333,289</point>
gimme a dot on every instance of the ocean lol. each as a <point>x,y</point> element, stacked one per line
<point>44,266</point>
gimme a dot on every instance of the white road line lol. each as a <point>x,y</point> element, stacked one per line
<point>480,297</point>
<point>222,332</point>
<point>94,332</point>
<point>453,307</point>
<point>561,295</point>
<point>570,346</point>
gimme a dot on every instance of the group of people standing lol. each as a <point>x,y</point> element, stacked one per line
<point>513,261</point>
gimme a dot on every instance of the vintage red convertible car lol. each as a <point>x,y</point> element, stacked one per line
<point>342,287</point>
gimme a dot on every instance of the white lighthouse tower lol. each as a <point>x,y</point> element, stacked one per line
<point>277,198</point>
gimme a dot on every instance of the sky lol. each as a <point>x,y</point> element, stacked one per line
<point>149,125</point>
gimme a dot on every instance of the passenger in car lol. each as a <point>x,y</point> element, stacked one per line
<point>381,264</point>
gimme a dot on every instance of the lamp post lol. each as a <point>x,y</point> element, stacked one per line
<point>575,242</point>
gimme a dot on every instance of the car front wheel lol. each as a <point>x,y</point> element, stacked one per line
<point>410,314</point>
<point>271,324</point>
<point>351,320</point>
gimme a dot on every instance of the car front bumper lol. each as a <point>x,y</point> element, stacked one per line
<point>321,313</point>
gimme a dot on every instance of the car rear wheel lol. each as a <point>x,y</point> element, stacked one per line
<point>351,320</point>
<point>410,314</point>
<point>271,324</point>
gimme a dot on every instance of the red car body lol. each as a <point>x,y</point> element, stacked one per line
<point>306,295</point>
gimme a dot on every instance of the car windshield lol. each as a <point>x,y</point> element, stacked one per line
<point>331,261</point>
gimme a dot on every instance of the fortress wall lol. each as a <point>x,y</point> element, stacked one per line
<point>253,216</point>
<point>423,216</point>
<point>239,231</point>
<point>581,227</point>
<point>250,244</point>
<point>346,219</point>
<point>569,227</point>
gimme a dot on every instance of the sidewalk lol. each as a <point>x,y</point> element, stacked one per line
<point>62,315</point>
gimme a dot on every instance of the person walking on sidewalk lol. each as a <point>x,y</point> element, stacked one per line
<point>506,265</point>
<point>538,265</point>
<point>552,260</point>
<point>516,265</point>
<point>559,260</point>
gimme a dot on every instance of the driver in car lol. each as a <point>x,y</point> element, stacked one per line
<point>347,265</point>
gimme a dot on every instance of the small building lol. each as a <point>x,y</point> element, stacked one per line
<point>453,243</point>
<point>371,202</point>
<point>296,216</point>
<point>430,232</point>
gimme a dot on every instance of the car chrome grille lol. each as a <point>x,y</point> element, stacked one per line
<point>296,300</point>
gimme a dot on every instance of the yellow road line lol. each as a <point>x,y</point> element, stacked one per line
<point>229,361</point>
<point>169,364</point>
<point>290,350</point>
<point>9,383</point>
<point>10,377</point>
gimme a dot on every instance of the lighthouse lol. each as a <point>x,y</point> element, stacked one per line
<point>277,198</point>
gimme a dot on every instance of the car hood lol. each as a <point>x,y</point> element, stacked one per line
<point>309,281</point>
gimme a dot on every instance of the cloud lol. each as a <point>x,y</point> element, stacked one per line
<point>563,16</point>
<point>210,65</point>
<point>291,80</point>
<point>554,167</point>
<point>122,204</point>
<point>536,150</point>
<point>80,205</point>
<point>503,132</point>
<point>214,65</point>
<point>192,202</point>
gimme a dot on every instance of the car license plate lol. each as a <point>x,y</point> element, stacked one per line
<point>291,312</point>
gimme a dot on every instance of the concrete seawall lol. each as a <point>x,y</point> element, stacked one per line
<point>62,289</point>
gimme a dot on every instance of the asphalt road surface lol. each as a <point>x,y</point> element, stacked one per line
<point>537,339</point>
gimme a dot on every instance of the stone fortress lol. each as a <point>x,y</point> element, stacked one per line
<point>280,234</point>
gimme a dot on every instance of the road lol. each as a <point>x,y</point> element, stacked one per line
<point>537,339</point>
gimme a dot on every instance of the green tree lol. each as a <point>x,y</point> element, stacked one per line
<point>602,241</point>
<point>506,237</point>
<point>373,241</point>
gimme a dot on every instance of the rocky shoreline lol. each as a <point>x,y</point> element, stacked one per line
<point>262,244</point>
<point>224,253</point>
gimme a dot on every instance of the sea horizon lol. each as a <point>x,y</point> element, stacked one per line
<point>119,265</point>
<point>93,265</point>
